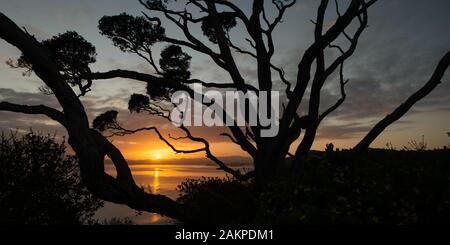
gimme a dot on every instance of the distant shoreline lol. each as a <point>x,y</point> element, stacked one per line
<point>231,161</point>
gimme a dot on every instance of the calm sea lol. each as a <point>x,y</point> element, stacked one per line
<point>160,179</point>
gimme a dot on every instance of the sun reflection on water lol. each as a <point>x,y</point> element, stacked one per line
<point>156,183</point>
<point>161,179</point>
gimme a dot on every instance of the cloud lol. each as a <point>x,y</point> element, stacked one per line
<point>27,98</point>
<point>95,105</point>
<point>395,56</point>
<point>10,121</point>
<point>345,131</point>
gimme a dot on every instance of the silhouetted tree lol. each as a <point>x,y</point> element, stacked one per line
<point>40,184</point>
<point>72,54</point>
<point>216,18</point>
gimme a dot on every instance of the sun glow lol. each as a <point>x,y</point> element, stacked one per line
<point>158,154</point>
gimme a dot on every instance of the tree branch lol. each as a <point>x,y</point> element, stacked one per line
<point>355,8</point>
<point>339,102</point>
<point>36,109</point>
<point>89,147</point>
<point>238,134</point>
<point>120,131</point>
<point>280,71</point>
<point>434,81</point>
<point>316,87</point>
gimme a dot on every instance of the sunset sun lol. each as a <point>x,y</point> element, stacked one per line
<point>156,154</point>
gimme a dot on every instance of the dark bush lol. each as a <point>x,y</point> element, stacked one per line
<point>336,187</point>
<point>218,201</point>
<point>40,183</point>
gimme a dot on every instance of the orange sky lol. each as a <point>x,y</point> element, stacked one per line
<point>146,145</point>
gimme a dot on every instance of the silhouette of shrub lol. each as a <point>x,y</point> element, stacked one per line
<point>40,183</point>
<point>334,187</point>
<point>218,200</point>
<point>378,187</point>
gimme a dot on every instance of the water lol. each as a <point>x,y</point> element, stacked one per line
<point>160,179</point>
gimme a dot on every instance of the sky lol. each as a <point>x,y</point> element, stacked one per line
<point>395,56</point>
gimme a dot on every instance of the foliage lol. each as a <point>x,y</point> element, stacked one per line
<point>138,35</point>
<point>218,201</point>
<point>129,33</point>
<point>105,120</point>
<point>378,187</point>
<point>158,4</point>
<point>414,145</point>
<point>336,187</point>
<point>138,102</point>
<point>71,53</point>
<point>175,63</point>
<point>40,184</point>
<point>226,20</point>
<point>158,92</point>
<point>117,221</point>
